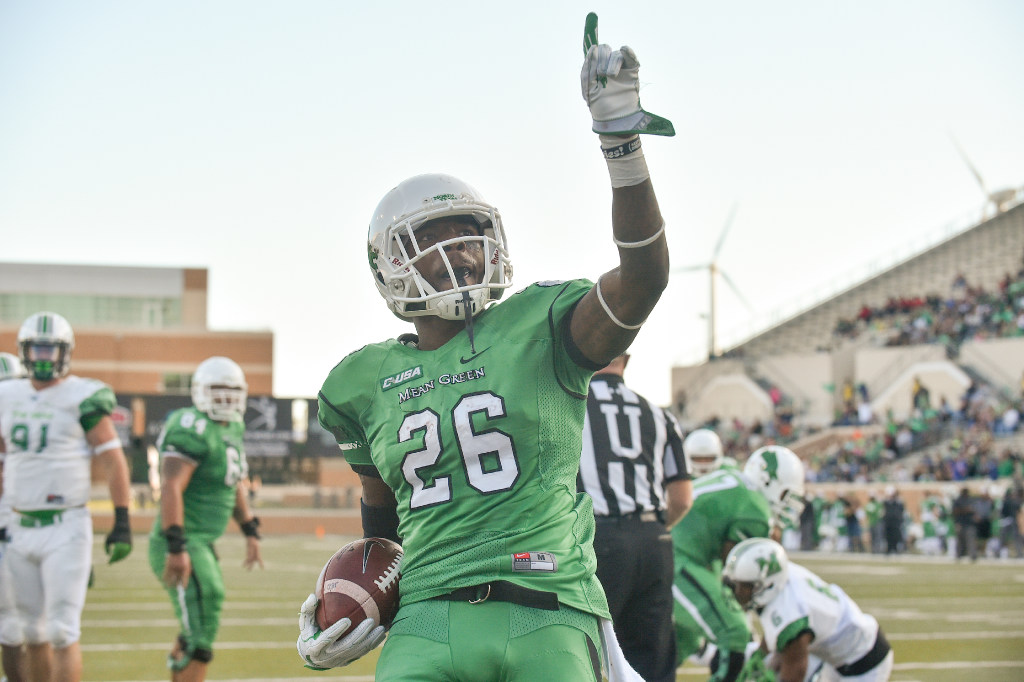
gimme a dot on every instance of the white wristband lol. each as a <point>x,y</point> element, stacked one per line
<point>625,158</point>
<point>113,443</point>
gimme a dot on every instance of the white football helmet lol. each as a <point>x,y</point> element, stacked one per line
<point>45,342</point>
<point>393,251</point>
<point>219,389</point>
<point>763,564</point>
<point>779,474</point>
<point>10,367</point>
<point>703,450</point>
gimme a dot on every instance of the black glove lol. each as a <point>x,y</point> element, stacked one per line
<point>118,544</point>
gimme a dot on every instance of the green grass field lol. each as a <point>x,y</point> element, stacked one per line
<point>947,621</point>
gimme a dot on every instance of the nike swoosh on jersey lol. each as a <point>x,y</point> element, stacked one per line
<point>473,357</point>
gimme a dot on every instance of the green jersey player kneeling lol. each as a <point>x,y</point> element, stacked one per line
<point>812,629</point>
<point>203,484</point>
<point>467,435</point>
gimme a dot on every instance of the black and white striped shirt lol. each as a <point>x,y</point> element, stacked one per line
<point>631,449</point>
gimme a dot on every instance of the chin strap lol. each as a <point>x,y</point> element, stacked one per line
<point>468,305</point>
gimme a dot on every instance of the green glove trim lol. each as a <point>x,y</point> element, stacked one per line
<point>589,33</point>
<point>118,551</point>
<point>590,39</point>
<point>640,123</point>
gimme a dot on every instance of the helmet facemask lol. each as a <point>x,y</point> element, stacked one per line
<point>789,507</point>
<point>419,295</point>
<point>221,403</point>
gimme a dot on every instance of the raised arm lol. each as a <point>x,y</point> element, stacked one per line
<point>608,318</point>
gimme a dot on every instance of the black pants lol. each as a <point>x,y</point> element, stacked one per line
<point>634,564</point>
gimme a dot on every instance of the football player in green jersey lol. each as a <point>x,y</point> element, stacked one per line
<point>202,471</point>
<point>728,506</point>
<point>467,435</point>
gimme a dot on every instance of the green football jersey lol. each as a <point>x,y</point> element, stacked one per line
<point>481,446</point>
<point>725,508</point>
<point>217,450</point>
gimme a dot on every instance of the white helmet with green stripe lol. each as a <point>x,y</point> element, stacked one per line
<point>10,367</point>
<point>45,342</point>
<point>760,563</point>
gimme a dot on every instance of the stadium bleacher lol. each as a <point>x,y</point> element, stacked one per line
<point>885,335</point>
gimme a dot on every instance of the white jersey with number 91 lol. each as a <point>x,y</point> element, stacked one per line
<point>47,459</point>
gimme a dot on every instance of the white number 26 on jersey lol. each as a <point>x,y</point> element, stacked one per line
<point>489,456</point>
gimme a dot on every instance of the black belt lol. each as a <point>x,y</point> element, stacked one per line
<point>869,660</point>
<point>502,590</point>
<point>642,516</point>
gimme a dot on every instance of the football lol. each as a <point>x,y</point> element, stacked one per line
<point>360,581</point>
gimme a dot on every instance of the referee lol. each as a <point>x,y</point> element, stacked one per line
<point>633,467</point>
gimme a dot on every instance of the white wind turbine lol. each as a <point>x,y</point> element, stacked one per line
<point>714,271</point>
<point>1001,199</point>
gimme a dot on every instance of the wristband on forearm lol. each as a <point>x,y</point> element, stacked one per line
<point>251,528</point>
<point>625,158</point>
<point>121,517</point>
<point>379,522</point>
<point>175,536</point>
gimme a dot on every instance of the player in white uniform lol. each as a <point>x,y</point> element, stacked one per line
<point>11,640</point>
<point>812,629</point>
<point>51,425</point>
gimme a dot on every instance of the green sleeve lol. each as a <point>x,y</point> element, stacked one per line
<point>97,406</point>
<point>346,431</point>
<point>792,631</point>
<point>571,367</point>
<point>183,440</point>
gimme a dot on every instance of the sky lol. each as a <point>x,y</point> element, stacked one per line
<point>255,139</point>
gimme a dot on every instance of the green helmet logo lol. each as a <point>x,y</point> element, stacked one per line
<point>771,464</point>
<point>769,565</point>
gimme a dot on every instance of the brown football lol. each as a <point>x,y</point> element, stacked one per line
<point>360,581</point>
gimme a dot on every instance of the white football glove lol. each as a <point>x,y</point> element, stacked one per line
<point>611,88</point>
<point>324,649</point>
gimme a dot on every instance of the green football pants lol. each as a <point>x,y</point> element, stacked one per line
<point>705,608</point>
<point>455,641</point>
<point>198,605</point>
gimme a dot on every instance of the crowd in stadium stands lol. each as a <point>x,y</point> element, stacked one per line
<point>973,432</point>
<point>954,522</point>
<point>967,312</point>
